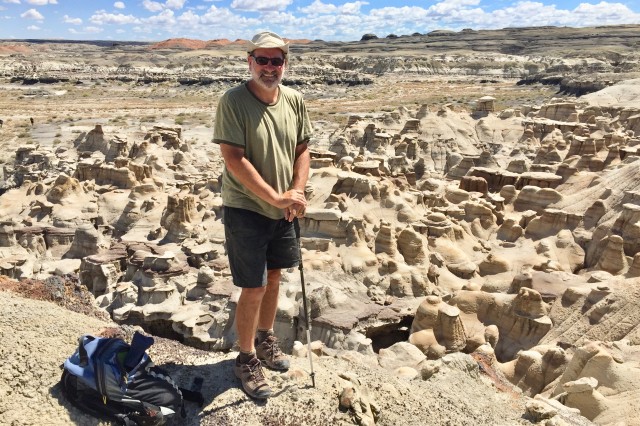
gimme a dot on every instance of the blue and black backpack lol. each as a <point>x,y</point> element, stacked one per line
<point>110,379</point>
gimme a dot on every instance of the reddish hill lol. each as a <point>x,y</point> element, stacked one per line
<point>186,43</point>
<point>14,48</point>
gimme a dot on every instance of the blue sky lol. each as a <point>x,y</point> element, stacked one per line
<point>148,20</point>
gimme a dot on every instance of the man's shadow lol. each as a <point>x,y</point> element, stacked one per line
<point>216,379</point>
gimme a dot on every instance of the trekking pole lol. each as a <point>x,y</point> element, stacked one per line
<point>296,226</point>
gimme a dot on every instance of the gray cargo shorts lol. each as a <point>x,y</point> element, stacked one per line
<point>255,244</point>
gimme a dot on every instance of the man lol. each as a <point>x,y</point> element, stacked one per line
<point>262,128</point>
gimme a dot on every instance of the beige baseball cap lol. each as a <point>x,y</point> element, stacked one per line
<point>267,40</point>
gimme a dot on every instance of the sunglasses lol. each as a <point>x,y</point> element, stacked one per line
<point>263,60</point>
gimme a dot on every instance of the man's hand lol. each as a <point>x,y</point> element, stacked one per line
<point>296,210</point>
<point>289,198</point>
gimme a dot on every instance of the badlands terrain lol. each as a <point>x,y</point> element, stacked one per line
<point>471,249</point>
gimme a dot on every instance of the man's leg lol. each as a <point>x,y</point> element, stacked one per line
<point>267,349</point>
<point>247,314</point>
<point>246,237</point>
<point>269,304</point>
<point>247,367</point>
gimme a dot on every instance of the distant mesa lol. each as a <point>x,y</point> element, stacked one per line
<point>436,33</point>
<point>186,43</point>
<point>369,36</point>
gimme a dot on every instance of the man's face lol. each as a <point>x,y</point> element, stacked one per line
<point>269,75</point>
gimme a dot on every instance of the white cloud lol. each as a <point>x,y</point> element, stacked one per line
<point>69,20</point>
<point>86,30</point>
<point>260,5</point>
<point>33,28</point>
<point>189,19</point>
<point>320,8</point>
<point>605,13</point>
<point>42,2</point>
<point>225,18</point>
<point>348,22</point>
<point>164,18</point>
<point>152,6</point>
<point>451,6</point>
<point>119,5</point>
<point>11,1</point>
<point>32,14</point>
<point>352,8</point>
<point>142,30</point>
<point>101,17</point>
<point>175,4</point>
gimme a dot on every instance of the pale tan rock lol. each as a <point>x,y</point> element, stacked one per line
<point>358,186</point>
<point>612,258</point>
<point>491,335</point>
<point>493,264</point>
<point>535,198</point>
<point>107,174</point>
<point>64,186</point>
<point>558,111</point>
<point>538,179</point>
<point>529,303</point>
<point>426,316</point>
<point>533,370</point>
<point>509,193</point>
<point>355,397</point>
<point>401,354</point>
<point>552,221</point>
<point>178,217</point>
<point>411,247</point>
<point>438,225</point>
<point>100,272</point>
<point>95,141</point>
<point>456,195</point>
<point>464,269</point>
<point>474,184</point>
<point>450,330</point>
<point>627,225</point>
<point>510,230</point>
<point>87,241</point>
<point>634,269</point>
<point>583,384</point>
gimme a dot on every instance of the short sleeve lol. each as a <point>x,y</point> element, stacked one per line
<point>228,126</point>
<point>306,129</point>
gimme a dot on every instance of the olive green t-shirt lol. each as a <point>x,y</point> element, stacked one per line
<point>269,135</point>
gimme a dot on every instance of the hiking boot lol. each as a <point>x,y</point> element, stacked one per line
<point>269,353</point>
<point>252,378</point>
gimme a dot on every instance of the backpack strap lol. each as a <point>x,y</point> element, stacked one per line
<point>139,344</point>
<point>82,351</point>
<point>193,396</point>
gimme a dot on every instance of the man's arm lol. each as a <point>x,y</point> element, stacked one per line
<point>300,177</point>
<point>301,167</point>
<point>244,171</point>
